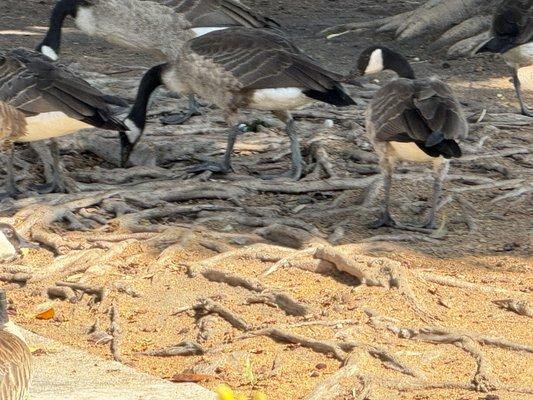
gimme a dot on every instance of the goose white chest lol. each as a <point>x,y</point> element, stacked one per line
<point>279,99</point>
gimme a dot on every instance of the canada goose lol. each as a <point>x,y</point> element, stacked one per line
<point>15,358</point>
<point>512,36</point>
<point>413,120</point>
<point>11,242</point>
<point>53,100</point>
<point>150,27</point>
<point>240,68</point>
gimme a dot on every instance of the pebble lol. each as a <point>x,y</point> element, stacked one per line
<point>328,123</point>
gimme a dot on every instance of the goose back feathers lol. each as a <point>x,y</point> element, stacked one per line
<point>422,111</point>
<point>246,66</point>
<point>54,101</point>
<point>220,13</point>
<point>15,358</point>
<point>149,26</point>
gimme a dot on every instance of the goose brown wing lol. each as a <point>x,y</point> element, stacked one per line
<point>15,367</point>
<point>260,59</point>
<point>34,85</point>
<point>220,13</point>
<point>412,110</point>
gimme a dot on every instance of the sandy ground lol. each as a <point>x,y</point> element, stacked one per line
<point>485,242</point>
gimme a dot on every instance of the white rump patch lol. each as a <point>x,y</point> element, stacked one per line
<point>279,99</point>
<point>6,248</point>
<point>375,64</point>
<point>133,132</point>
<point>85,20</point>
<point>204,31</point>
<point>410,152</point>
<point>49,125</point>
<point>49,52</point>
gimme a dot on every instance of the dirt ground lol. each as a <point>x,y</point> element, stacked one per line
<point>386,314</point>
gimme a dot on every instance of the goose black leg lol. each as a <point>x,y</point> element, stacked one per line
<point>11,189</point>
<point>296,155</point>
<point>178,119</point>
<point>58,183</point>
<point>223,167</point>
<point>518,87</point>
<point>439,173</point>
<point>385,219</point>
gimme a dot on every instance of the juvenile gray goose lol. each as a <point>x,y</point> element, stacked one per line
<point>240,68</point>
<point>54,102</point>
<point>150,27</point>
<point>11,242</point>
<point>411,119</point>
<point>512,36</point>
<point>15,358</point>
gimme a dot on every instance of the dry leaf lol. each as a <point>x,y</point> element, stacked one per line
<point>45,311</point>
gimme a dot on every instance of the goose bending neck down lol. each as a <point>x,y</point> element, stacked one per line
<point>512,36</point>
<point>410,119</point>
<point>265,72</point>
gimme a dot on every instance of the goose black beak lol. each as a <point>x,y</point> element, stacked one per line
<point>26,244</point>
<point>126,147</point>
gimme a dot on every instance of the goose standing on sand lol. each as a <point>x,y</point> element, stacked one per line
<point>54,101</point>
<point>411,119</point>
<point>512,36</point>
<point>15,358</point>
<point>150,27</point>
<point>240,68</point>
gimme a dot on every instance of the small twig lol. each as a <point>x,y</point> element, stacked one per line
<point>115,332</point>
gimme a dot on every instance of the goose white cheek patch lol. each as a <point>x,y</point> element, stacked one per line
<point>204,31</point>
<point>49,52</point>
<point>134,132</point>
<point>375,64</point>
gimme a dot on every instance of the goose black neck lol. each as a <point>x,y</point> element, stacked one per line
<point>399,64</point>
<point>150,82</point>
<point>4,317</point>
<point>62,10</point>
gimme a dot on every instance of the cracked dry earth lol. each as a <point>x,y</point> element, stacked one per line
<point>275,285</point>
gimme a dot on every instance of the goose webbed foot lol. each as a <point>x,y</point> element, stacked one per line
<point>385,220</point>
<point>431,224</point>
<point>295,174</point>
<point>212,166</point>
<point>180,118</point>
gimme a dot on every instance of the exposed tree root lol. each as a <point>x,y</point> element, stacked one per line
<point>373,271</point>
<point>516,306</point>
<point>115,332</point>
<point>208,306</point>
<point>464,23</point>
<point>186,348</point>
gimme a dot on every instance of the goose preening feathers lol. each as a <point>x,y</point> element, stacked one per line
<point>411,119</point>
<point>512,36</point>
<point>240,68</point>
<point>15,358</point>
<point>53,100</point>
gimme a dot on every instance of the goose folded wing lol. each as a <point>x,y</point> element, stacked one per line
<point>259,59</point>
<point>413,111</point>
<point>15,366</point>
<point>43,87</point>
<point>220,13</point>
